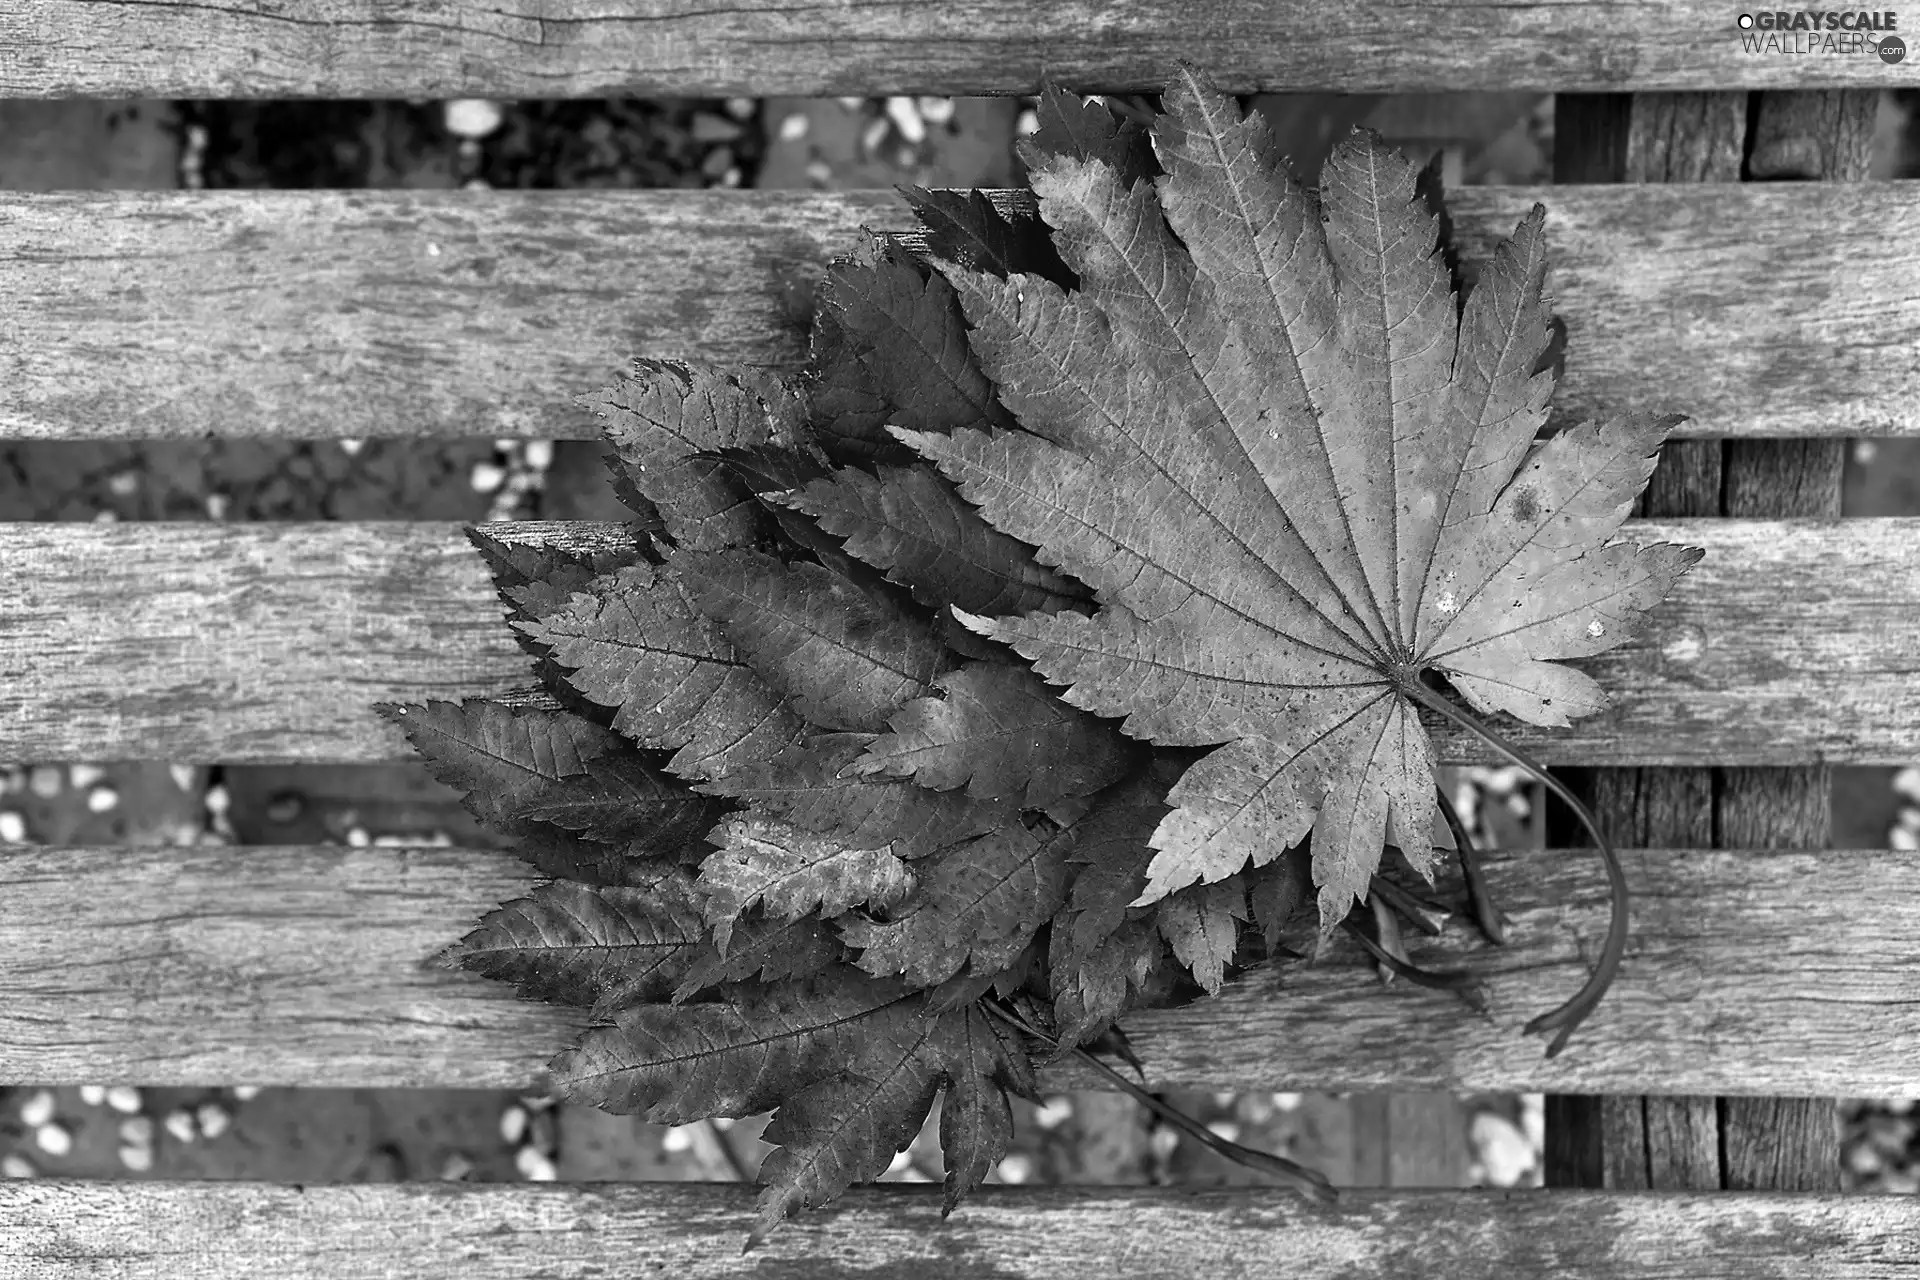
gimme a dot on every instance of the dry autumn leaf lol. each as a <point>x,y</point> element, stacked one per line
<point>1299,477</point>
<point>821,846</point>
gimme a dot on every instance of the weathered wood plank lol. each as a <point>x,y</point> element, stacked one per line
<point>317,315</point>
<point>1699,1143</point>
<point>418,48</point>
<point>266,643</point>
<point>53,1230</point>
<point>1749,973</point>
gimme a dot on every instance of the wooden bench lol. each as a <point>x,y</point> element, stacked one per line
<point>1766,972</point>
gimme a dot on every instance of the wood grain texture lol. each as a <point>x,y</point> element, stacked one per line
<point>318,315</point>
<point>1648,137</point>
<point>1820,135</point>
<point>1748,972</point>
<point>654,48</point>
<point>1695,1143</point>
<point>266,643</point>
<point>61,1230</point>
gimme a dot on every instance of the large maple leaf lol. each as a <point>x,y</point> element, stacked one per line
<point>1298,476</point>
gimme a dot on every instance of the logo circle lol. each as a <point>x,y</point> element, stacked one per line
<point>1746,22</point>
<point>1892,49</point>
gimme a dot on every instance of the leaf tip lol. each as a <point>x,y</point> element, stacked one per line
<point>977,623</point>
<point>451,956</point>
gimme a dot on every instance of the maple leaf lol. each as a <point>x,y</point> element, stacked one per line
<point>667,420</point>
<point>621,799</point>
<point>909,523</point>
<point>741,1053</point>
<point>501,757</point>
<point>762,950</point>
<point>1202,924</point>
<point>985,1062</point>
<point>639,643</point>
<point>965,227</point>
<point>847,1127</point>
<point>788,872</point>
<point>843,657</point>
<point>1072,126</point>
<point>506,759</point>
<point>594,947</point>
<point>1091,988</point>
<point>978,902</point>
<point>890,347</point>
<point>813,786</point>
<point>999,732</point>
<point>1260,429</point>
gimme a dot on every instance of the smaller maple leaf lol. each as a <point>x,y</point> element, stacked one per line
<point>501,757</point>
<point>762,950</point>
<point>621,799</point>
<point>909,523</point>
<point>985,1061</point>
<point>592,947</point>
<point>966,227</point>
<point>848,1127</point>
<point>978,902</point>
<point>1202,924</point>
<point>1092,987</point>
<point>637,642</point>
<point>814,786</point>
<point>788,872</point>
<point>999,732</point>
<point>890,346</point>
<point>842,656</point>
<point>1072,126</point>
<point>666,421</point>
<point>504,759</point>
<point>742,1052</point>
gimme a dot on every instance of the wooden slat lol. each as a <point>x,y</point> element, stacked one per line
<point>1791,642</point>
<point>54,1230</point>
<point>1748,973</point>
<point>1668,1142</point>
<point>571,48</point>
<point>317,315</point>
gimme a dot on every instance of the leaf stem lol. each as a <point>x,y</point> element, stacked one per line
<point>1486,912</point>
<point>1429,918</point>
<point>1458,981</point>
<point>1571,1014</point>
<point>1311,1181</point>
